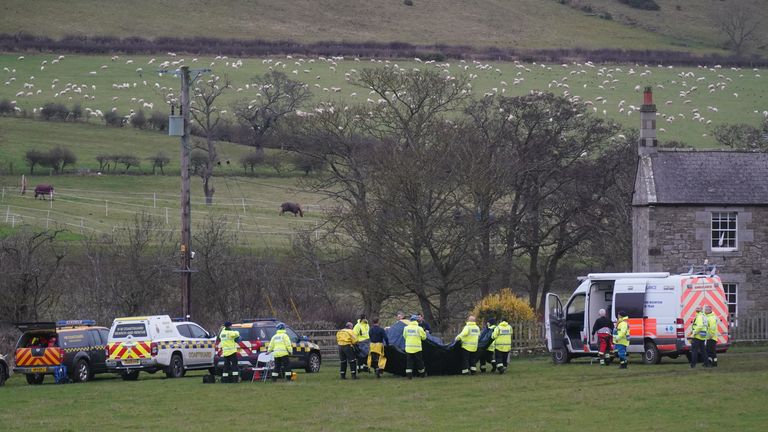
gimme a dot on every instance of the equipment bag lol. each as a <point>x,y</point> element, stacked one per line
<point>209,379</point>
<point>60,374</point>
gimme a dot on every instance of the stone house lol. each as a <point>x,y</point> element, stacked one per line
<point>694,205</point>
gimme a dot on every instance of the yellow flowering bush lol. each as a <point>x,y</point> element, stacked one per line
<point>503,304</point>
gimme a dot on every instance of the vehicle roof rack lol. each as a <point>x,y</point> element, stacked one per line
<point>250,320</point>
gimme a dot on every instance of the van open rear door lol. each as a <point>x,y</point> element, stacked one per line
<point>554,323</point>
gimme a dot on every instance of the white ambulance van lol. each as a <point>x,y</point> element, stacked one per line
<point>158,343</point>
<point>660,306</point>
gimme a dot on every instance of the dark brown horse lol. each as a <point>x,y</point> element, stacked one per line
<point>294,208</point>
<point>43,190</point>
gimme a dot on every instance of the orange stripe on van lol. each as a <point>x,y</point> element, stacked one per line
<point>650,327</point>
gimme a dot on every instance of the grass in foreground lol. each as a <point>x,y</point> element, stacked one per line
<point>534,396</point>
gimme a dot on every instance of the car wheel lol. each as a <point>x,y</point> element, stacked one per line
<point>651,354</point>
<point>82,371</point>
<point>176,368</point>
<point>560,356</point>
<point>313,363</point>
<point>35,379</point>
<point>130,375</point>
<point>3,374</point>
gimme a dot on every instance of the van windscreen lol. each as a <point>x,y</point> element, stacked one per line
<point>132,329</point>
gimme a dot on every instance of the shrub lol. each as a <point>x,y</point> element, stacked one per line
<point>128,161</point>
<point>112,118</point>
<point>77,112</point>
<point>54,111</point>
<point>252,159</point>
<point>138,120</point>
<point>408,2</point>
<point>158,121</point>
<point>6,107</point>
<point>275,161</point>
<point>641,4</point>
<point>503,304</point>
<point>307,163</point>
<point>33,158</point>
<point>159,161</point>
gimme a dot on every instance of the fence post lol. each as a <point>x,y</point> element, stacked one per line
<point>7,213</point>
<point>166,215</point>
<point>154,199</point>
<point>3,193</point>
<point>106,208</point>
<point>243,205</point>
<point>82,225</point>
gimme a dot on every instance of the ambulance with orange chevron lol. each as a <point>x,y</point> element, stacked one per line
<point>660,306</point>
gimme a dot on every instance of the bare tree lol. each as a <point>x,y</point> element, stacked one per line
<point>159,161</point>
<point>277,97</point>
<point>207,115</point>
<point>742,136</point>
<point>29,262</point>
<point>739,24</point>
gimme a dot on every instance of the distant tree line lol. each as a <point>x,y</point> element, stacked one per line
<point>257,48</point>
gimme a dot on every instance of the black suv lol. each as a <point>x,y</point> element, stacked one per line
<point>77,344</point>
<point>255,335</point>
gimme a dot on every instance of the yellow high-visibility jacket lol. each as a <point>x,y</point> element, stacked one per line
<point>468,336</point>
<point>228,344</point>
<point>712,326</point>
<point>699,329</point>
<point>280,344</point>
<point>361,330</point>
<point>502,337</point>
<point>622,332</point>
<point>413,335</point>
<point>346,337</point>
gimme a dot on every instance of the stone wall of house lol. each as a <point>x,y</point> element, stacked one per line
<point>673,238</point>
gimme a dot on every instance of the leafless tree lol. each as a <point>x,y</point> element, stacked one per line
<point>30,262</point>
<point>739,23</point>
<point>278,96</point>
<point>207,115</point>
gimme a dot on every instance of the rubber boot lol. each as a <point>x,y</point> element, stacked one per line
<point>623,365</point>
<point>343,375</point>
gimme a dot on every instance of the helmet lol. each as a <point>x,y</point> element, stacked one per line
<point>414,317</point>
<point>280,326</point>
<point>228,324</point>
<point>622,314</point>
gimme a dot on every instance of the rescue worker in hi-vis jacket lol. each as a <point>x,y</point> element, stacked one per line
<point>413,335</point>
<point>699,335</point>
<point>347,340</point>
<point>621,338</point>
<point>468,337</point>
<point>281,348</point>
<point>712,335</point>
<point>502,339</point>
<point>361,330</point>
<point>229,346</point>
<point>604,329</point>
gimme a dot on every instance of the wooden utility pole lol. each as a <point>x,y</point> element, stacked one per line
<point>186,214</point>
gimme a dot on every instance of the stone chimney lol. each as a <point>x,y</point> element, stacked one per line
<point>648,143</point>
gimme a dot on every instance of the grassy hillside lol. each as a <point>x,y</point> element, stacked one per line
<point>98,82</point>
<point>504,23</point>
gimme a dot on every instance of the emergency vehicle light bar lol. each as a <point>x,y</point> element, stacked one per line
<point>72,323</point>
<point>250,320</point>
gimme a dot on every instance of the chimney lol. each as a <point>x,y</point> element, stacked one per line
<point>648,143</point>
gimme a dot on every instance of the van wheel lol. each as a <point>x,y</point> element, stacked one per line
<point>313,363</point>
<point>130,375</point>
<point>35,379</point>
<point>176,368</point>
<point>82,371</point>
<point>651,354</point>
<point>560,356</point>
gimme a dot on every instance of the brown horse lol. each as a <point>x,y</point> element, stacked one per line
<point>294,208</point>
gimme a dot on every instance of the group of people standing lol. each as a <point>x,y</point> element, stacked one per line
<point>703,337</point>
<point>361,347</point>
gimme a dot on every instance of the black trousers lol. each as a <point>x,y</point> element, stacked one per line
<point>502,358</point>
<point>347,355</point>
<point>231,369</point>
<point>282,368</point>
<point>468,359</point>
<point>697,351</point>
<point>487,357</point>
<point>375,361</point>
<point>711,352</point>
<point>414,361</point>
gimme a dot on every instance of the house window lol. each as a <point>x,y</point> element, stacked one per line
<point>731,298</point>
<point>724,231</point>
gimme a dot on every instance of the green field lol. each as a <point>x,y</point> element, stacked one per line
<point>691,101</point>
<point>534,395</point>
<point>504,23</point>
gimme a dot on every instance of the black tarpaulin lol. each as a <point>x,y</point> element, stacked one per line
<point>439,358</point>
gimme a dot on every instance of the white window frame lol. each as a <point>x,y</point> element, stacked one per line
<point>735,303</point>
<point>735,230</point>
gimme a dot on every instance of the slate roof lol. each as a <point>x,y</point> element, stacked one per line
<point>703,177</point>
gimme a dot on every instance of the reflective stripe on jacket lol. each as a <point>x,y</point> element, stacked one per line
<point>361,330</point>
<point>346,337</point>
<point>413,335</point>
<point>502,337</point>
<point>622,332</point>
<point>228,342</point>
<point>280,344</point>
<point>468,336</point>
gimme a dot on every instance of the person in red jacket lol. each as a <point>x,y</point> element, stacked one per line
<point>604,329</point>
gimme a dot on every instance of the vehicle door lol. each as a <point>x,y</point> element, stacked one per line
<point>554,322</point>
<point>202,350</point>
<point>129,342</point>
<point>97,352</point>
<point>186,343</point>
<point>575,312</point>
<point>74,342</point>
<point>298,355</point>
<point>629,297</point>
